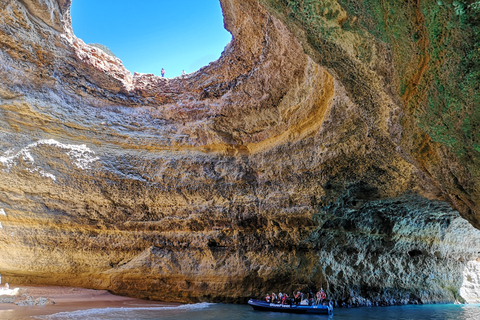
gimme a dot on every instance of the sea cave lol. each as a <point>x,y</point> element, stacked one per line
<point>333,144</point>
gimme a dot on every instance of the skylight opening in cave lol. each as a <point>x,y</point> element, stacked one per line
<point>148,35</point>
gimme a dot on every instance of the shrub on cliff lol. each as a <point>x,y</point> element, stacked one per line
<point>103,48</point>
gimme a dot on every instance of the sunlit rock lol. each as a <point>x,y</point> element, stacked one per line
<point>313,153</point>
<point>470,290</point>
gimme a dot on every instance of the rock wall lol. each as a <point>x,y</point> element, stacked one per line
<point>296,160</point>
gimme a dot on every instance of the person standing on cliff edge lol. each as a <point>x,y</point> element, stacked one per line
<point>163,72</point>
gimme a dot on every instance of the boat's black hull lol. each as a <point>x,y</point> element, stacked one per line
<point>273,307</point>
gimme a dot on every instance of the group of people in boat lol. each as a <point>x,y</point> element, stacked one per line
<point>299,298</point>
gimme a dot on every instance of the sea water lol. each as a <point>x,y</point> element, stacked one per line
<point>204,311</point>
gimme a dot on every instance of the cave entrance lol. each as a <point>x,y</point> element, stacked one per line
<point>149,35</point>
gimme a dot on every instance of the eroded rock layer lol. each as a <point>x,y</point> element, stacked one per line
<point>305,156</point>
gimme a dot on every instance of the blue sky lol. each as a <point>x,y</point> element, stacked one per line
<point>148,35</point>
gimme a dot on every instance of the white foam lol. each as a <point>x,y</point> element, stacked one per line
<point>93,313</point>
<point>2,212</point>
<point>81,156</point>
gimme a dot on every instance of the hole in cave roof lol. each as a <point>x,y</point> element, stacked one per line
<point>149,35</point>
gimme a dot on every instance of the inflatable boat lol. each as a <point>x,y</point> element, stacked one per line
<point>291,308</point>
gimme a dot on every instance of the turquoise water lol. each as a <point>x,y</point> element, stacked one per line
<point>207,311</point>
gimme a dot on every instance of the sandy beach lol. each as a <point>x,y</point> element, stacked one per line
<point>69,299</point>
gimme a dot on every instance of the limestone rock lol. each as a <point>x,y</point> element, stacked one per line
<point>7,299</point>
<point>310,154</point>
<point>470,290</point>
<point>10,295</point>
<point>26,301</point>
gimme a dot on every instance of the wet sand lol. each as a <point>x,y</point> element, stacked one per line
<point>70,299</point>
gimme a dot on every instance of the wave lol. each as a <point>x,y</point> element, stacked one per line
<point>98,313</point>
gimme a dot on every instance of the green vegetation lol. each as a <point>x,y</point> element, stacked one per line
<point>455,294</point>
<point>436,47</point>
<point>436,53</point>
<point>103,48</point>
<point>452,116</point>
<point>391,22</point>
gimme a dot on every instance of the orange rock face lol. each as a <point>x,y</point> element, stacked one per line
<point>267,170</point>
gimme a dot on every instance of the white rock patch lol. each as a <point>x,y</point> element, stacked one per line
<point>81,156</point>
<point>470,290</point>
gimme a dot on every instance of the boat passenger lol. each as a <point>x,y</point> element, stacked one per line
<point>298,297</point>
<point>274,298</point>
<point>321,296</point>
<point>268,298</point>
